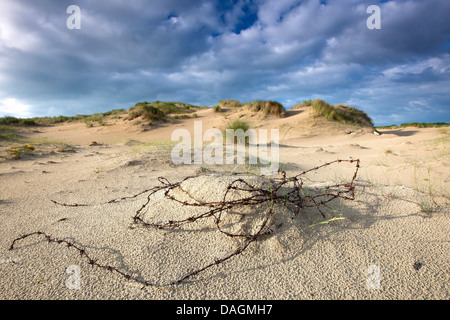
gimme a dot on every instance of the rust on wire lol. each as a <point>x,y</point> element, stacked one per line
<point>258,195</point>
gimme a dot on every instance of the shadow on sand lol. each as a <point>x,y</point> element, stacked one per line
<point>399,133</point>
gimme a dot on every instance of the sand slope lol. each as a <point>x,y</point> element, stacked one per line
<point>400,217</point>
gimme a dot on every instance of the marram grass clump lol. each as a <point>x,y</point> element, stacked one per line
<point>236,125</point>
<point>340,113</point>
<point>159,110</point>
<point>229,103</point>
<point>267,107</point>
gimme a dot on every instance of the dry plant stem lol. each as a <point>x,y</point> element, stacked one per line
<point>258,195</point>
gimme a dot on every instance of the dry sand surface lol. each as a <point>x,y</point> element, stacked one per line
<point>391,242</point>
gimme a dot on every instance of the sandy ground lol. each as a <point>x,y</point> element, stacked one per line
<point>400,217</point>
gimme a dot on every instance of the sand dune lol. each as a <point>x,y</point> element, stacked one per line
<point>391,242</point>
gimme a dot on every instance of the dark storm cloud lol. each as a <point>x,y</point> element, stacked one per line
<point>204,51</point>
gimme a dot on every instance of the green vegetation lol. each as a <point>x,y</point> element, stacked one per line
<point>18,152</point>
<point>340,113</point>
<point>36,121</point>
<point>183,116</point>
<point>153,111</point>
<point>236,125</point>
<point>267,107</point>
<point>7,133</point>
<point>147,112</point>
<point>95,118</point>
<point>315,223</point>
<point>114,112</point>
<point>159,110</point>
<point>140,146</point>
<point>229,104</point>
<point>16,121</point>
<point>166,107</point>
<point>416,125</point>
<point>166,111</point>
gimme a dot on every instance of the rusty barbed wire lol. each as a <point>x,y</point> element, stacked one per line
<point>257,195</point>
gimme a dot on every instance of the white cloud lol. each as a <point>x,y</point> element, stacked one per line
<point>191,51</point>
<point>15,108</point>
<point>12,32</point>
<point>437,64</point>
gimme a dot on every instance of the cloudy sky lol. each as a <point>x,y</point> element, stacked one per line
<point>200,52</point>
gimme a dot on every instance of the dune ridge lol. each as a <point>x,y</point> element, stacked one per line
<point>391,242</point>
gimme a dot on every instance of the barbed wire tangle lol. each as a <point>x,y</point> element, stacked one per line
<point>283,189</point>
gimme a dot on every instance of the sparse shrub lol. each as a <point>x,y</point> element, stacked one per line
<point>59,119</point>
<point>159,110</point>
<point>181,116</point>
<point>229,104</point>
<point>143,103</point>
<point>90,121</point>
<point>217,109</point>
<point>239,124</point>
<point>17,152</point>
<point>7,120</point>
<point>147,112</point>
<point>134,114</point>
<point>7,133</point>
<point>114,112</point>
<point>267,107</point>
<point>152,113</point>
<point>236,125</point>
<point>417,125</point>
<point>28,122</point>
<point>341,113</point>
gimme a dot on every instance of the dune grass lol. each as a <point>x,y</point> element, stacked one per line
<point>159,110</point>
<point>141,146</point>
<point>267,107</point>
<point>8,133</point>
<point>14,146</point>
<point>37,121</point>
<point>217,109</point>
<point>339,113</point>
<point>146,112</point>
<point>7,120</point>
<point>416,125</point>
<point>236,125</point>
<point>166,107</point>
<point>229,103</point>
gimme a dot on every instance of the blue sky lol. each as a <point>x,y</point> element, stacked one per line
<point>201,52</point>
